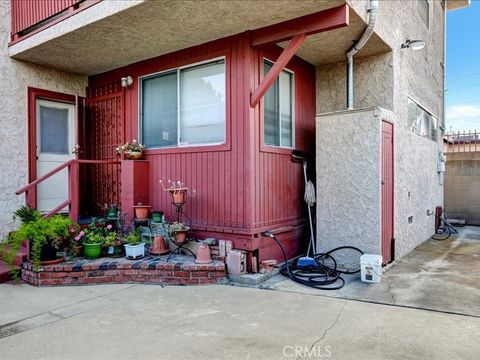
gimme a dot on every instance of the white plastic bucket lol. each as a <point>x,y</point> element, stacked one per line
<point>371,268</point>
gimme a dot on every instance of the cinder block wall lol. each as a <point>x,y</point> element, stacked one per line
<point>462,187</point>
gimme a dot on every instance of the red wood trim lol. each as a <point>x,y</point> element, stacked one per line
<point>96,162</point>
<point>73,191</point>
<point>44,177</point>
<point>310,24</point>
<point>58,208</point>
<point>276,69</point>
<point>33,94</point>
<point>15,38</point>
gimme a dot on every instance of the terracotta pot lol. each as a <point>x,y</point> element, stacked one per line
<point>52,262</point>
<point>133,155</point>
<point>178,196</point>
<point>203,254</point>
<point>141,212</point>
<point>180,237</point>
<point>159,246</point>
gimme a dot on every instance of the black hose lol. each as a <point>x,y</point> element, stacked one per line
<point>322,276</point>
<point>448,229</point>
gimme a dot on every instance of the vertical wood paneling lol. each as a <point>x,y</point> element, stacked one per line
<point>387,191</point>
<point>240,188</point>
<point>26,13</point>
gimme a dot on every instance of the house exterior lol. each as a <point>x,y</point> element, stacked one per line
<point>221,92</point>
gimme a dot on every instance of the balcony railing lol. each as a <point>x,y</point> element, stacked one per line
<point>32,16</point>
<point>462,141</point>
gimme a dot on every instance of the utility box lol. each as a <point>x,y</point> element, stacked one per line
<point>237,262</point>
<point>371,268</point>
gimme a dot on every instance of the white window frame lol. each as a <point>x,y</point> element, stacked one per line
<point>178,70</point>
<point>291,72</point>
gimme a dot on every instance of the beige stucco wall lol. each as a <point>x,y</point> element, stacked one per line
<point>15,76</point>
<point>388,80</point>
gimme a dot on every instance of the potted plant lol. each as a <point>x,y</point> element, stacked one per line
<point>112,212</point>
<point>157,217</point>
<point>113,244</point>
<point>179,231</point>
<point>47,236</point>
<point>134,248</point>
<point>178,191</point>
<point>94,239</point>
<point>141,211</point>
<point>131,150</point>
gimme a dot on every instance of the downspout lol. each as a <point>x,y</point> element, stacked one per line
<point>372,10</point>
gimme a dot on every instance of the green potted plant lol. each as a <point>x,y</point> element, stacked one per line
<point>157,217</point>
<point>94,239</point>
<point>179,231</point>
<point>112,212</point>
<point>131,150</point>
<point>113,243</point>
<point>47,236</point>
<point>134,248</point>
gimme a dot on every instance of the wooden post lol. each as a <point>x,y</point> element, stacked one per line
<point>135,185</point>
<point>73,190</point>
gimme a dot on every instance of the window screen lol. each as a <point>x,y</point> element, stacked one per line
<point>421,121</point>
<point>53,130</point>
<point>278,110</point>
<point>185,107</point>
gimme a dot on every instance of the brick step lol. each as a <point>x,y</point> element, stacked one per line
<point>5,275</point>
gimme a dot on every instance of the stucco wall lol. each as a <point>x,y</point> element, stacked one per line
<point>348,180</point>
<point>15,76</point>
<point>388,80</point>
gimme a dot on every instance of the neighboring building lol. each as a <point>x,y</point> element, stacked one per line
<point>203,100</point>
<point>462,176</point>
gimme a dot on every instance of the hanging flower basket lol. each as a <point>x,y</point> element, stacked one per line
<point>133,155</point>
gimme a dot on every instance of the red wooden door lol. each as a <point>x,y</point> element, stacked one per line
<point>387,192</point>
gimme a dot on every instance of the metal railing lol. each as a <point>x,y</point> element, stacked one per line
<point>73,201</point>
<point>461,141</point>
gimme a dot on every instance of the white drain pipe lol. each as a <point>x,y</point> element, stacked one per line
<point>372,10</point>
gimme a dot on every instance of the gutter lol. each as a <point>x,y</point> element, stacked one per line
<point>372,10</point>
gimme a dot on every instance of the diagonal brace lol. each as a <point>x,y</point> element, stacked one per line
<point>277,68</point>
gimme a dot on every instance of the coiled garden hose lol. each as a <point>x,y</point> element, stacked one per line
<point>322,277</point>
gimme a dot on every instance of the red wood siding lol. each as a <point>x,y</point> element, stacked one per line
<point>26,13</point>
<point>242,188</point>
<point>105,131</point>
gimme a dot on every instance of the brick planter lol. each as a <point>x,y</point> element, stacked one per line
<point>180,270</point>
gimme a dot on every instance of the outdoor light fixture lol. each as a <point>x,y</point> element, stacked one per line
<point>127,81</point>
<point>414,45</point>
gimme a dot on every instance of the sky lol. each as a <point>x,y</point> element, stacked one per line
<point>463,68</point>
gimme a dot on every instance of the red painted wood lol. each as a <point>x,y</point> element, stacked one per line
<point>277,68</point>
<point>135,185</point>
<point>33,94</point>
<point>387,191</point>
<point>242,187</point>
<point>55,210</point>
<point>329,19</point>
<point>32,16</point>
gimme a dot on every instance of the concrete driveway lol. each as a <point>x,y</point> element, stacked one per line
<point>437,275</point>
<point>220,322</point>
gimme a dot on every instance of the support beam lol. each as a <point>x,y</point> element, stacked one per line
<point>276,69</point>
<point>310,24</point>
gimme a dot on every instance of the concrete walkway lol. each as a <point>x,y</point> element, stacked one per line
<point>437,275</point>
<point>220,322</point>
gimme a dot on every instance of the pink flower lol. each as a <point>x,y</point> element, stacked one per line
<point>81,233</point>
<point>77,238</point>
<point>109,226</point>
<point>72,230</point>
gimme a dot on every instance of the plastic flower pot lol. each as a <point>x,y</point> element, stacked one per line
<point>92,251</point>
<point>159,246</point>
<point>135,251</point>
<point>181,237</point>
<point>157,217</point>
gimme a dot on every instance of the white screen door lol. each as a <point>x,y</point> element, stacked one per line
<point>56,136</point>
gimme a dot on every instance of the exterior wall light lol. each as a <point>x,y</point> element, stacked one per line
<point>414,44</point>
<point>127,81</point>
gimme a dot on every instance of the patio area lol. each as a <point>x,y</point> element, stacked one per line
<point>437,275</point>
